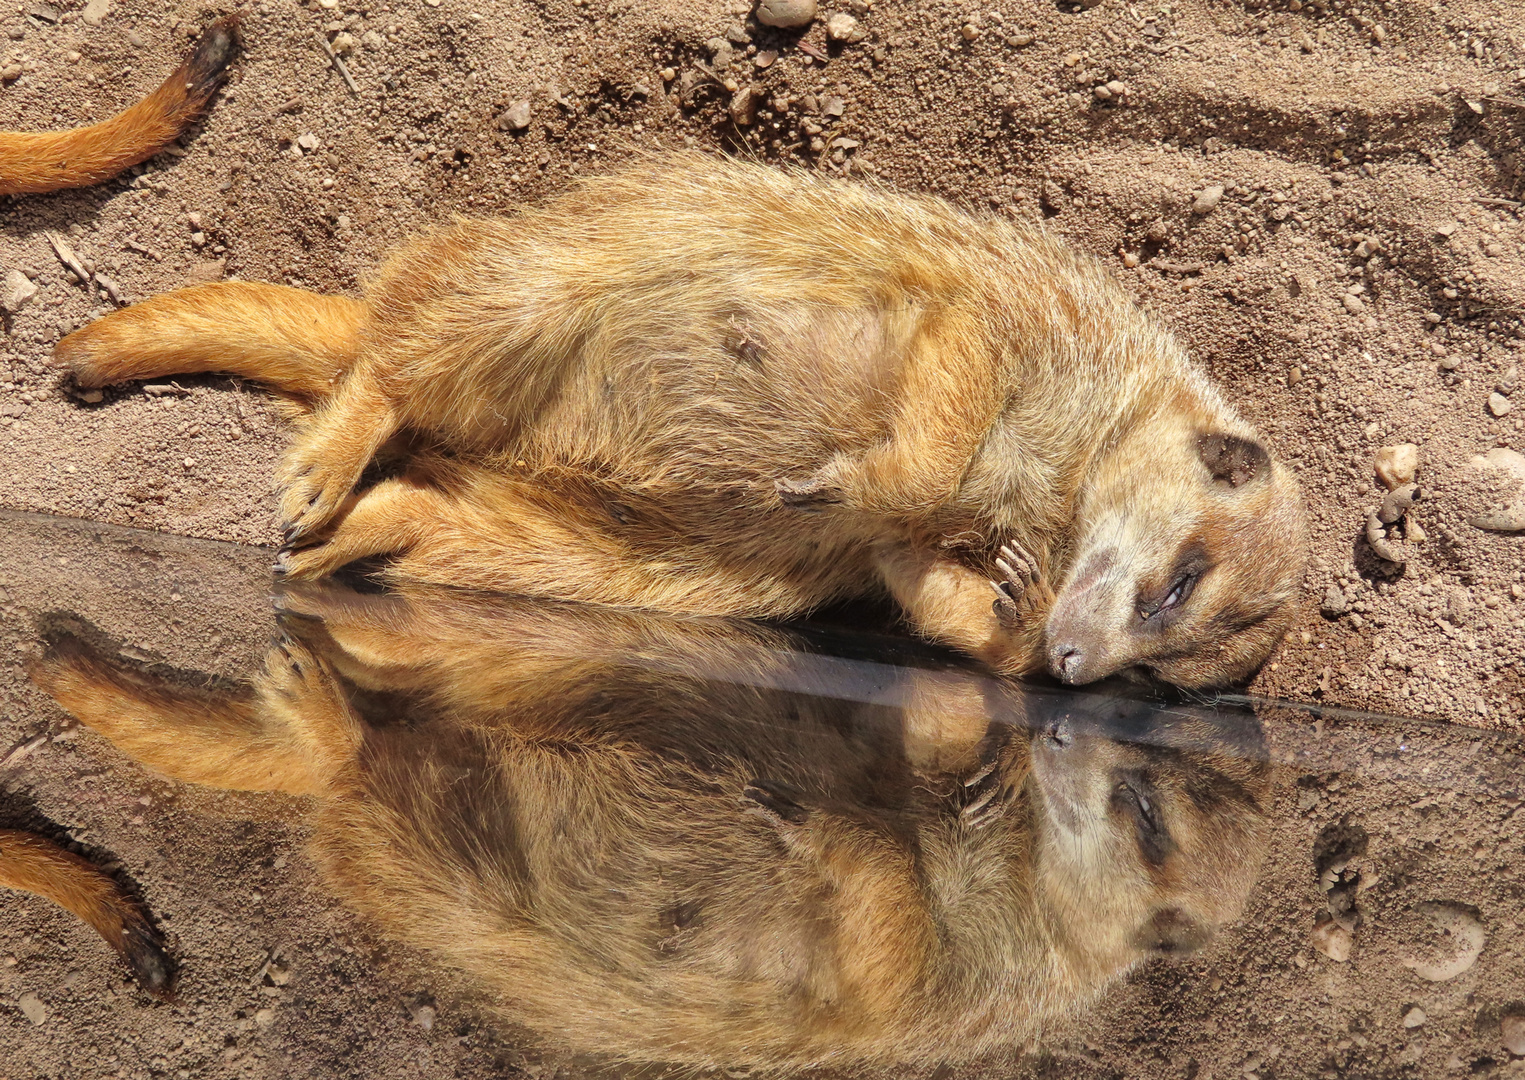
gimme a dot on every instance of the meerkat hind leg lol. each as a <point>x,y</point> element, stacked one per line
<point>295,342</point>
<point>224,740</point>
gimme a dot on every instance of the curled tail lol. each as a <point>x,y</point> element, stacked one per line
<point>38,865</point>
<point>54,160</point>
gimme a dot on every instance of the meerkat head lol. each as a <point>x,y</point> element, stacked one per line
<point>1151,823</point>
<point>1190,550</point>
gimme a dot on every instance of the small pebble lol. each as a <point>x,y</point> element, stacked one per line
<point>844,28</point>
<point>423,1016</point>
<point>343,43</point>
<point>833,106</point>
<point>970,32</point>
<point>1499,405</point>
<point>1397,465</point>
<point>1353,304</point>
<point>516,117</point>
<point>1509,463</point>
<point>33,1009</point>
<point>1415,1017</point>
<point>309,141</point>
<point>95,12</point>
<point>18,292</point>
<point>1207,200</point>
<point>786,14</point>
<point>1512,1031</point>
<point>1333,940</point>
<point>1510,381</point>
<point>1334,604</point>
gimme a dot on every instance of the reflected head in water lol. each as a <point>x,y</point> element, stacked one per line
<point>1149,819</point>
<point>703,842</point>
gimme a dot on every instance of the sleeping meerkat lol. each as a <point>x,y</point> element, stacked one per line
<point>713,388</point>
<point>701,842</point>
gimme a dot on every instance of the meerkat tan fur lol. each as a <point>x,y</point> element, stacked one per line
<point>35,162</point>
<point>648,839</point>
<point>714,388</point>
<point>36,864</point>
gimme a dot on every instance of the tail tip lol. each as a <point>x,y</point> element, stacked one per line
<point>216,48</point>
<point>152,966</point>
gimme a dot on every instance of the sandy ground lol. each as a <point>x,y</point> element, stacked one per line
<point>1358,284</point>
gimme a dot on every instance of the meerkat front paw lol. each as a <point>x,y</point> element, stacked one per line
<point>315,477</point>
<point>1021,578</point>
<point>990,789</point>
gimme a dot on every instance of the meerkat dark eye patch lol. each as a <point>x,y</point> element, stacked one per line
<point>1160,602</point>
<point>1232,460</point>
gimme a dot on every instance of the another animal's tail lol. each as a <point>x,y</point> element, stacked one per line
<point>30,862</point>
<point>295,342</point>
<point>53,160</point>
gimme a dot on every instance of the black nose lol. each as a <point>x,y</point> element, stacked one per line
<point>1064,661</point>
<point>1058,733</point>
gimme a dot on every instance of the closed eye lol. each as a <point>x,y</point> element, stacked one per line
<point>1174,597</point>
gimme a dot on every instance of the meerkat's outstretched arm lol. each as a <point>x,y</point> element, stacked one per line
<point>295,342</point>
<point>38,865</point>
<point>53,160</point>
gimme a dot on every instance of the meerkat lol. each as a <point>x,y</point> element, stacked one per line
<point>714,388</point>
<point>695,841</point>
<point>32,163</point>
<point>36,864</point>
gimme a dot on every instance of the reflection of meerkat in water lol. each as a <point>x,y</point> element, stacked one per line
<point>645,839</point>
<point>712,388</point>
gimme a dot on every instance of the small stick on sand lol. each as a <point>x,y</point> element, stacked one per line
<point>1484,201</point>
<point>66,256</point>
<point>338,65</point>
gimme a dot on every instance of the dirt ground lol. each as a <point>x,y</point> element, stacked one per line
<point>1358,283</point>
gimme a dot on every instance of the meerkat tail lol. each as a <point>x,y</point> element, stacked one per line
<point>220,739</point>
<point>37,865</point>
<point>295,342</point>
<point>53,160</point>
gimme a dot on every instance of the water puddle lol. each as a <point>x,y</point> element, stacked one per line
<point>711,843</point>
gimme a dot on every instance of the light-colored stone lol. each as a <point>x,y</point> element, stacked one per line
<point>1512,1032</point>
<point>1499,405</point>
<point>33,1009</point>
<point>844,28</point>
<point>1397,465</point>
<point>1455,941</point>
<point>1207,199</point>
<point>1415,1017</point>
<point>786,14</point>
<point>95,12</point>
<point>1333,940</point>
<point>19,291</point>
<point>516,117</point>
<point>1511,464</point>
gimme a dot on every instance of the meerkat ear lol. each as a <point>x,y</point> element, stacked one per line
<point>1232,460</point>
